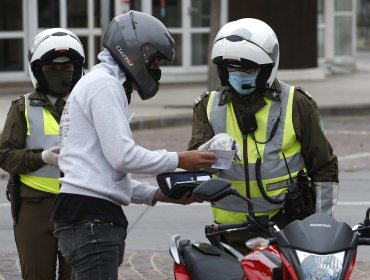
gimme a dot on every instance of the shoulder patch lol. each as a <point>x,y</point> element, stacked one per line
<point>306,93</point>
<point>36,102</point>
<point>200,98</point>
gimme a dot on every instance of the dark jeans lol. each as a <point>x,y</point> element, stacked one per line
<point>94,249</point>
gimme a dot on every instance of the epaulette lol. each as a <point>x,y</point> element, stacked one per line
<point>16,100</point>
<point>200,98</point>
<point>302,90</point>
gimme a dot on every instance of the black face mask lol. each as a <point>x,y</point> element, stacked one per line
<point>58,81</point>
<point>156,74</point>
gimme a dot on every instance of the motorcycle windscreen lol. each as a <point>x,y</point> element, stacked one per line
<point>318,234</point>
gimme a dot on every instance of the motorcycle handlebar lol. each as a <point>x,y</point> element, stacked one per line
<point>364,241</point>
<point>222,227</point>
<point>218,229</point>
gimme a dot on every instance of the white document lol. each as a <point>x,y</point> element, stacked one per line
<point>223,159</point>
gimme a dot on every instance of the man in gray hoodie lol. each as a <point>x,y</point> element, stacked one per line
<point>98,153</point>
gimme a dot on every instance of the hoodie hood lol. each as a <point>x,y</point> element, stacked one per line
<point>107,62</point>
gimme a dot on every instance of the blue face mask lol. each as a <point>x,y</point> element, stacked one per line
<point>238,79</point>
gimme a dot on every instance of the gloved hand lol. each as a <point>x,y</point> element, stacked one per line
<point>50,156</point>
<point>222,141</point>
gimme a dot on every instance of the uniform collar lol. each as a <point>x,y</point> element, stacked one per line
<point>38,99</point>
<point>273,92</point>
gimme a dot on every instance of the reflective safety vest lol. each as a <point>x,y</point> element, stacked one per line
<point>273,168</point>
<point>42,133</point>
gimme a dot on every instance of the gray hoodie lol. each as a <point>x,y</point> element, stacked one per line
<point>97,150</point>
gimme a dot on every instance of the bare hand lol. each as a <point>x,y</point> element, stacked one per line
<point>195,160</point>
<point>186,199</point>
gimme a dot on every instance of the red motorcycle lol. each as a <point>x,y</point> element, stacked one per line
<point>317,247</point>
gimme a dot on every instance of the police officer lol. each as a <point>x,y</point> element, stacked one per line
<point>29,149</point>
<point>276,128</point>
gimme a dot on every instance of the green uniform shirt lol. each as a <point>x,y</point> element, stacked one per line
<point>320,162</point>
<point>14,157</point>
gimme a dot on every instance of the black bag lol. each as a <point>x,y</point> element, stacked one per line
<point>300,198</point>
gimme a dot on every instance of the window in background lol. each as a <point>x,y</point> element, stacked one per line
<point>343,17</point>
<point>169,12</point>
<point>48,12</point>
<point>343,35</point>
<point>97,9</point>
<point>11,15</point>
<point>200,11</point>
<point>11,55</point>
<point>77,13</point>
<point>200,49</point>
<point>12,40</point>
<point>321,28</point>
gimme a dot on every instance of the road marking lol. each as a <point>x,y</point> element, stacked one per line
<point>354,203</point>
<point>133,267</point>
<point>354,156</point>
<point>155,268</point>
<point>352,132</point>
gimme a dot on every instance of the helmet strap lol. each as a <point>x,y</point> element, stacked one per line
<point>128,85</point>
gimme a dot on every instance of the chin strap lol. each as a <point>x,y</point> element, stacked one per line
<point>128,87</point>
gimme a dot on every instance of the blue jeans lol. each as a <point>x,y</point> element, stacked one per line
<point>94,249</point>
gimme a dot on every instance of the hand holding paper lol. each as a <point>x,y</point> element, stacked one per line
<point>222,142</point>
<point>223,159</point>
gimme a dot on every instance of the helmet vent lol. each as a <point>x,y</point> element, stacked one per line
<point>59,34</point>
<point>234,38</point>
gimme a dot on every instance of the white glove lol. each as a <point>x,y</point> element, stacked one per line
<point>222,141</point>
<point>50,156</point>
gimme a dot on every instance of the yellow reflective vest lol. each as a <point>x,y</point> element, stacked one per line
<point>273,168</point>
<point>42,133</point>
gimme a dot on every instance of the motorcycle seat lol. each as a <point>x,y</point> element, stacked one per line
<point>205,261</point>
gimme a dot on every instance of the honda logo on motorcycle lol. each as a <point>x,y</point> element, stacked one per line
<point>320,225</point>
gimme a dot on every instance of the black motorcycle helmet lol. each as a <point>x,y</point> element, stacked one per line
<point>134,39</point>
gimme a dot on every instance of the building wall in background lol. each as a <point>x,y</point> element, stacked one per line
<point>312,34</point>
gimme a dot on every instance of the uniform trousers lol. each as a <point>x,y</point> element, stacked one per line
<point>36,244</point>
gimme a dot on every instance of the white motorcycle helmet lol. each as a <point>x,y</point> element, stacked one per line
<point>248,43</point>
<point>55,45</point>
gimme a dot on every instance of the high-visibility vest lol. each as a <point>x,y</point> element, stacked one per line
<point>274,172</point>
<point>42,133</point>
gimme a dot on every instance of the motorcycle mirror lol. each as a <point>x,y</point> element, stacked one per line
<point>176,184</point>
<point>213,189</point>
